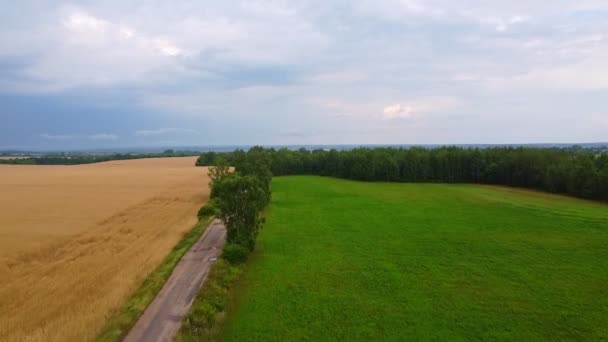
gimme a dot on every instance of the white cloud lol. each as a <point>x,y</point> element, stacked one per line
<point>82,22</point>
<point>104,136</point>
<point>167,48</point>
<point>419,107</point>
<point>398,9</point>
<point>163,131</point>
<point>415,7</point>
<point>517,19</point>
<point>399,111</point>
<point>499,23</point>
<point>76,48</point>
<point>94,46</point>
<point>586,75</point>
<point>57,137</point>
<point>67,137</point>
<point>126,32</point>
<point>88,32</point>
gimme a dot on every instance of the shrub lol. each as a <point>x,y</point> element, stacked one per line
<point>203,321</point>
<point>235,253</point>
<point>209,209</point>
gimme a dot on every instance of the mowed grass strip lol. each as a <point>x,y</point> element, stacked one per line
<point>344,260</point>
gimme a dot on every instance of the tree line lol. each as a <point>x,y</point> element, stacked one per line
<point>572,171</point>
<point>66,159</point>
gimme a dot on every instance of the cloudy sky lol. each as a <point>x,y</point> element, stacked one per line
<point>85,74</point>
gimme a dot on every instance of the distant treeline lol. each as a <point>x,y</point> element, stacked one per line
<point>573,171</point>
<point>64,159</point>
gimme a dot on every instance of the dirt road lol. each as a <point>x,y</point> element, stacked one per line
<point>162,318</point>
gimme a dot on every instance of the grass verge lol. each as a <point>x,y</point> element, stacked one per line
<point>122,320</point>
<point>204,320</point>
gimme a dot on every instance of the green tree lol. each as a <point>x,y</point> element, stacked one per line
<point>574,171</point>
<point>257,162</point>
<point>216,174</point>
<point>241,201</point>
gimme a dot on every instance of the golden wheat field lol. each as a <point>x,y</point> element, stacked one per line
<point>75,241</point>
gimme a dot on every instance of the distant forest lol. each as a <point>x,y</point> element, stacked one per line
<point>572,171</point>
<point>69,159</point>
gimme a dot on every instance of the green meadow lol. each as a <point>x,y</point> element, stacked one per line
<point>345,260</point>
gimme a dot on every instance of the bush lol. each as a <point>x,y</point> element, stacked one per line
<point>209,209</point>
<point>235,254</point>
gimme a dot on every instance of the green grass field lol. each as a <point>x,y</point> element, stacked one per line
<point>343,260</point>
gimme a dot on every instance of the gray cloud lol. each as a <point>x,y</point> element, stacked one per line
<point>257,69</point>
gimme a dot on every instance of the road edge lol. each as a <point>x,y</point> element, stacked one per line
<point>120,321</point>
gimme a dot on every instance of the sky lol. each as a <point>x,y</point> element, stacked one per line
<point>103,74</point>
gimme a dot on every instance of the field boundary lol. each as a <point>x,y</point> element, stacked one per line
<point>119,322</point>
<point>218,295</point>
<point>206,317</point>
